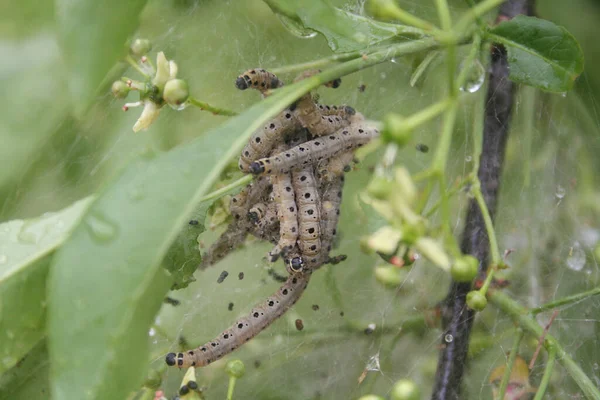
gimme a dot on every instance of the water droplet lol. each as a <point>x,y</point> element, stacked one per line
<point>596,367</point>
<point>576,257</point>
<point>3,258</point>
<point>393,60</point>
<point>560,192</point>
<point>151,332</point>
<point>448,338</point>
<point>100,228</point>
<point>475,77</point>
<point>468,158</point>
<point>296,28</point>
<point>563,94</point>
<point>373,363</point>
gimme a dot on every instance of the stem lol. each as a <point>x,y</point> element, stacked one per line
<point>514,351</point>
<point>479,10</point>
<point>232,380</point>
<point>565,300</point>
<point>321,62</point>
<point>225,189</point>
<point>480,22</point>
<point>444,14</point>
<point>409,19</point>
<point>489,225</point>
<point>427,114</point>
<point>547,373</point>
<point>136,66</point>
<point>423,66</point>
<point>207,107</point>
<point>441,153</point>
<point>519,315</point>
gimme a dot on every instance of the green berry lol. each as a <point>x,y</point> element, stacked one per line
<point>396,130</point>
<point>379,187</point>
<point>120,89</point>
<point>405,389</point>
<point>476,300</point>
<point>235,368</point>
<point>140,47</point>
<point>389,275</point>
<point>382,9</point>
<point>464,269</point>
<point>371,397</point>
<point>176,92</point>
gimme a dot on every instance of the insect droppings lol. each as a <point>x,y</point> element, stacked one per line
<point>230,307</point>
<point>241,276</point>
<point>299,324</point>
<point>315,307</point>
<point>222,277</point>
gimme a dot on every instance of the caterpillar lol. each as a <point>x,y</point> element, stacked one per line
<point>331,198</point>
<point>309,215</point>
<point>342,111</point>
<point>313,151</point>
<point>240,203</point>
<point>259,79</point>
<point>265,139</point>
<point>245,328</point>
<point>286,214</point>
<point>232,238</point>
<point>264,221</point>
<point>336,166</point>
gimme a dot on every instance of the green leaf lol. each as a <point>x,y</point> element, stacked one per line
<point>343,30</point>
<point>25,250</point>
<point>93,36</point>
<point>540,53</point>
<point>29,379</point>
<point>106,281</point>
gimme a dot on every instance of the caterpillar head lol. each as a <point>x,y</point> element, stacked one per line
<point>257,167</point>
<point>295,265</point>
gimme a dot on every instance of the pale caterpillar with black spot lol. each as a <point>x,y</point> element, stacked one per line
<point>331,199</point>
<point>309,205</point>
<point>245,328</point>
<point>259,79</point>
<point>265,225</point>
<point>316,150</point>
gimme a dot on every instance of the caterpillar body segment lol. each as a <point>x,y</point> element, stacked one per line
<point>265,139</point>
<point>265,224</point>
<point>231,239</point>
<point>309,215</point>
<point>336,166</point>
<point>343,111</point>
<point>310,117</point>
<point>316,150</point>
<point>241,203</point>
<point>287,214</point>
<point>259,79</point>
<point>245,328</point>
<point>331,199</point>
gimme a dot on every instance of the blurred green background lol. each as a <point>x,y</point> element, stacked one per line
<point>548,207</point>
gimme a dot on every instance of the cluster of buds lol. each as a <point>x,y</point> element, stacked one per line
<point>160,85</point>
<point>407,233</point>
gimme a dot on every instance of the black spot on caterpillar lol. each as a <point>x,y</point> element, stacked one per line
<point>313,151</point>
<point>299,324</point>
<point>266,138</point>
<point>222,277</point>
<point>244,329</point>
<point>309,215</point>
<point>259,79</point>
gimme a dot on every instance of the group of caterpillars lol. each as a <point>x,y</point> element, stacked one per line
<point>298,160</point>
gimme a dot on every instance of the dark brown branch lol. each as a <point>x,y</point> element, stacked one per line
<point>457,318</point>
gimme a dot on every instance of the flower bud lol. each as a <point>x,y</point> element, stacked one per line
<point>379,187</point>
<point>405,389</point>
<point>464,269</point>
<point>120,89</point>
<point>176,92</point>
<point>371,397</point>
<point>140,47</point>
<point>235,368</point>
<point>433,251</point>
<point>389,275</point>
<point>396,130</point>
<point>382,9</point>
<point>476,300</point>
<point>385,240</point>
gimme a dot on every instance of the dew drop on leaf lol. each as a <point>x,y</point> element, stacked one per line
<point>100,228</point>
<point>448,338</point>
<point>475,77</point>
<point>576,257</point>
<point>296,28</point>
<point>468,158</point>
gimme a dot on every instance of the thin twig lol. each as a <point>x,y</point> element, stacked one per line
<point>457,318</point>
<point>541,340</point>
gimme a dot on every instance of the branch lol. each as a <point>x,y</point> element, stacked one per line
<point>457,318</point>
